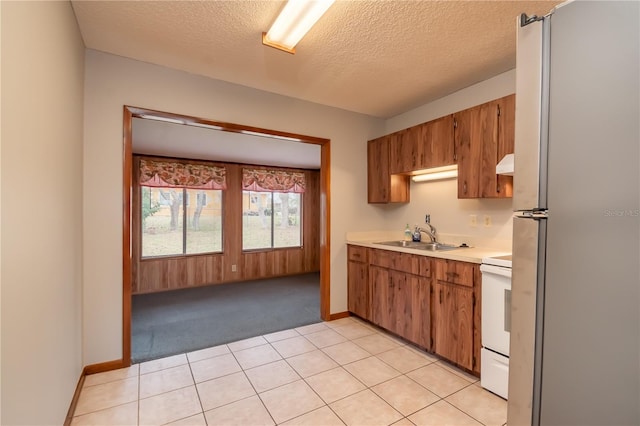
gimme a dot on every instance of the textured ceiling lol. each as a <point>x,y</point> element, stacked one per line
<point>380,58</point>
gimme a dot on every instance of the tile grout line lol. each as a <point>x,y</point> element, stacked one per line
<point>138,400</point>
<point>305,381</point>
<point>254,388</point>
<point>459,409</point>
<point>195,385</point>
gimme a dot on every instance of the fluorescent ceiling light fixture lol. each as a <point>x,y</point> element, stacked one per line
<point>437,173</point>
<point>295,20</point>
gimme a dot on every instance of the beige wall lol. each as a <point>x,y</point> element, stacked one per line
<point>449,214</point>
<point>42,110</point>
<point>110,83</point>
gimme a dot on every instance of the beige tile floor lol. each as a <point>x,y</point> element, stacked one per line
<point>343,372</point>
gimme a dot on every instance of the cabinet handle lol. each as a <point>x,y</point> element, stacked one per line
<point>441,297</point>
<point>498,188</point>
<point>455,126</point>
<point>356,254</point>
<point>453,274</point>
<point>464,187</point>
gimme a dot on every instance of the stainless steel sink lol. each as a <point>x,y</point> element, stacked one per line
<point>411,244</point>
<point>419,245</point>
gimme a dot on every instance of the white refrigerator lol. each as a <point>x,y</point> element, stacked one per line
<point>575,313</point>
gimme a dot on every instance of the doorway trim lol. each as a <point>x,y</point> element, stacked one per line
<point>129,112</point>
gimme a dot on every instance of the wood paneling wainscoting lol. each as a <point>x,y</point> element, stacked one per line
<point>171,273</point>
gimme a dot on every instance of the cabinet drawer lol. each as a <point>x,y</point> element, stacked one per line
<point>454,272</point>
<point>357,253</point>
<point>397,261</point>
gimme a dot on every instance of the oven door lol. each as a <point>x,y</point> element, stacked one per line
<point>496,308</point>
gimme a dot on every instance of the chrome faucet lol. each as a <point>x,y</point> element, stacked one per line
<point>432,229</point>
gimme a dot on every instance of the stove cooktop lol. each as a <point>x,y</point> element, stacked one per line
<point>504,261</point>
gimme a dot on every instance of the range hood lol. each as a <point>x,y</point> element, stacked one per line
<point>505,166</point>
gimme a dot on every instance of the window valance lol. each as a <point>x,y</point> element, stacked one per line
<point>272,180</point>
<point>160,173</point>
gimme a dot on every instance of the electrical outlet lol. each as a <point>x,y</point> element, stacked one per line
<point>473,220</point>
<point>234,268</point>
<point>487,221</point>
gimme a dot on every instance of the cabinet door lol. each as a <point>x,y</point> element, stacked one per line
<point>436,141</point>
<point>381,297</point>
<point>378,183</point>
<point>413,316</point>
<point>491,184</point>
<point>453,323</point>
<point>382,186</point>
<point>358,293</point>
<point>476,135</point>
<point>483,135</point>
<point>506,139</point>
<point>403,148</point>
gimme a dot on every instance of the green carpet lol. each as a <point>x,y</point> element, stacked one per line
<point>179,321</point>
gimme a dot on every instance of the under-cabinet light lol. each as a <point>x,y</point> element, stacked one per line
<point>438,173</point>
<point>295,20</point>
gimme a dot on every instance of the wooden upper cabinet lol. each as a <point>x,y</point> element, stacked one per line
<point>382,186</point>
<point>437,143</point>
<point>483,135</point>
<point>423,146</point>
<point>506,142</point>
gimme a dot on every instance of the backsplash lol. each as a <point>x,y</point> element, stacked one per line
<point>450,215</point>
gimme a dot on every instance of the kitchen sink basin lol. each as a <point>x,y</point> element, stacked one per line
<point>419,245</point>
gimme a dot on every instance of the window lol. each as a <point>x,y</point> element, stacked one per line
<point>181,208</point>
<point>271,209</point>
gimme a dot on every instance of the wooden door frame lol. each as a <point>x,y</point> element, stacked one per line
<point>129,113</point>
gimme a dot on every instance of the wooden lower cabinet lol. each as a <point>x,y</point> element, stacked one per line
<point>400,304</point>
<point>456,313</point>
<point>381,284</point>
<point>358,282</point>
<point>453,323</point>
<point>413,320</point>
<point>437,311</point>
<point>358,290</point>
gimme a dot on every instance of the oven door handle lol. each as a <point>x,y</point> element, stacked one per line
<point>507,310</point>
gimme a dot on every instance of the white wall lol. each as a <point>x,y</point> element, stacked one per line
<point>449,214</point>
<point>41,175</point>
<point>110,83</point>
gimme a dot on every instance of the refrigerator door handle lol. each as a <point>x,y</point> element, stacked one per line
<point>536,214</point>
<point>526,20</point>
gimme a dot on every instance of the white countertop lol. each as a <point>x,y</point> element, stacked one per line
<point>473,254</point>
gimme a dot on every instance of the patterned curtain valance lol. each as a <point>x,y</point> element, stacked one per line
<point>168,173</point>
<point>272,180</point>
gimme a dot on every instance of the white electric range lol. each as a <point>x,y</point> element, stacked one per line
<point>496,324</point>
